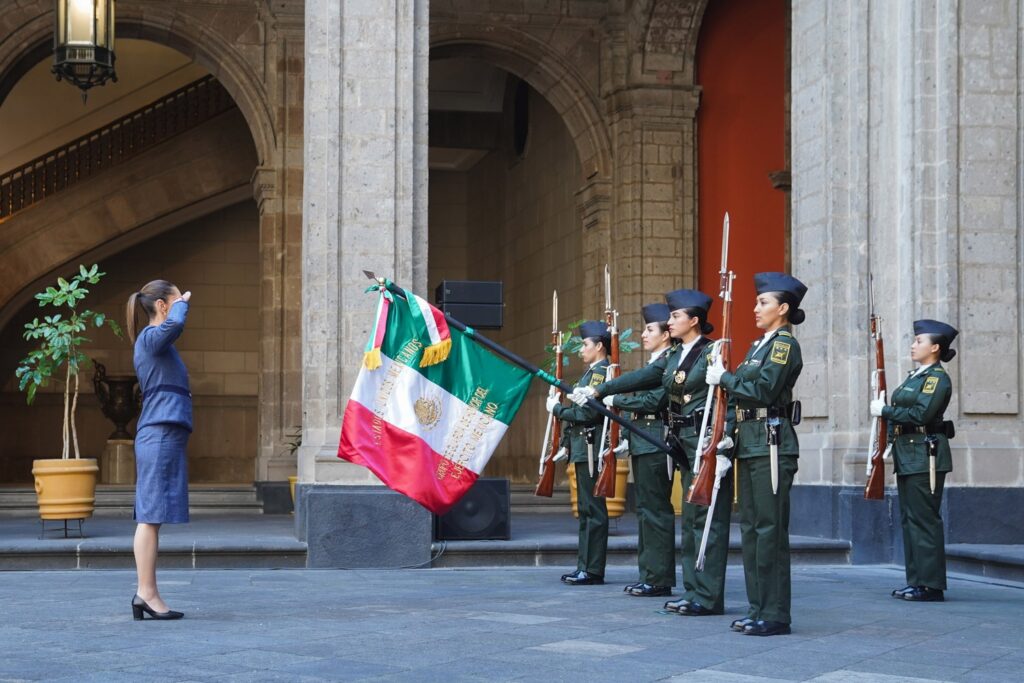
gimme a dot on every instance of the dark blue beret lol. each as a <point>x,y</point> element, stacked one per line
<point>656,313</point>
<point>780,282</point>
<point>594,328</point>
<point>688,298</point>
<point>935,327</point>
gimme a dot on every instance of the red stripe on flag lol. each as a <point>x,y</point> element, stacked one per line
<point>440,323</point>
<point>404,462</point>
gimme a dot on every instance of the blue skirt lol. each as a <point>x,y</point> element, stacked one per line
<point>161,467</point>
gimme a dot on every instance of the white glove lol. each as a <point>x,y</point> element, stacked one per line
<point>553,400</point>
<point>725,444</point>
<point>876,407</point>
<point>580,395</point>
<point>561,454</point>
<point>714,373</point>
<point>609,401</point>
<point>622,450</point>
<point>722,464</point>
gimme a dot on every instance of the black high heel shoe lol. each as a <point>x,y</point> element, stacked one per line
<point>139,607</point>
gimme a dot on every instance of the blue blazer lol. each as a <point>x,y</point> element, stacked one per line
<point>166,399</point>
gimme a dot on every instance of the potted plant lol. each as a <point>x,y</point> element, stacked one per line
<point>65,487</point>
<point>292,447</point>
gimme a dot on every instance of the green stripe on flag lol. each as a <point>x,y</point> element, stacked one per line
<point>472,374</point>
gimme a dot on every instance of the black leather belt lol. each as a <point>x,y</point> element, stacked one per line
<point>691,421</point>
<point>904,428</point>
<point>790,411</point>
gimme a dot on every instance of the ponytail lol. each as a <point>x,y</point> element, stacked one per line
<point>143,303</point>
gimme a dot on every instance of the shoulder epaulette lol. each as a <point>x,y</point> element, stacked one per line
<point>785,333</point>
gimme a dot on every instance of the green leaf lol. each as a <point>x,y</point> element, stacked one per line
<point>100,318</point>
<point>82,272</point>
<point>31,394</point>
<point>62,283</point>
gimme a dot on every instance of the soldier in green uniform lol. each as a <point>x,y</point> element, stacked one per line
<point>581,435</point>
<point>920,447</point>
<point>655,516</point>
<point>680,372</point>
<point>761,396</point>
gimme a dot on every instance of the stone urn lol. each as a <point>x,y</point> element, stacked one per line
<point>121,400</point>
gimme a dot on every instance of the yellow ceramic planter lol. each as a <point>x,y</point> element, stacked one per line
<point>65,489</point>
<point>616,505</point>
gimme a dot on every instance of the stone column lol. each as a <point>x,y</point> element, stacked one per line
<point>364,208</point>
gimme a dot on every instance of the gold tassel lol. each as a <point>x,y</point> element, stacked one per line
<point>371,359</point>
<point>436,353</point>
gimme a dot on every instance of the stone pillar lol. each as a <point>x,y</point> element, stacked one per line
<point>653,237</point>
<point>364,202</point>
<point>906,163</point>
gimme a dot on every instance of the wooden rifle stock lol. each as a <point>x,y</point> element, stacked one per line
<point>546,485</point>
<point>604,487</point>
<point>874,489</point>
<point>704,483</point>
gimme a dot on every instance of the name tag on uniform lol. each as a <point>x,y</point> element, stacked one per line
<point>753,361</point>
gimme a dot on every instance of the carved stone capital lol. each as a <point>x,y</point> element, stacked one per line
<point>265,187</point>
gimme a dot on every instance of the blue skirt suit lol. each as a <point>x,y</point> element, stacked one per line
<point>161,489</point>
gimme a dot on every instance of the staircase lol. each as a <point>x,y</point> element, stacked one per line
<point>113,144</point>
<point>119,500</point>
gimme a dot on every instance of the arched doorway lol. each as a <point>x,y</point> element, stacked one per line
<point>504,173</point>
<point>180,207</point>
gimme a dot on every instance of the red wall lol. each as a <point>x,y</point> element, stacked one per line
<point>741,66</point>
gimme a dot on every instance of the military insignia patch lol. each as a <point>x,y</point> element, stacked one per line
<point>780,353</point>
<point>596,379</point>
<point>929,385</point>
<point>687,397</point>
<point>680,376</point>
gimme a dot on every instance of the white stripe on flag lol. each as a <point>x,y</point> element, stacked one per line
<point>450,427</point>
<point>428,319</point>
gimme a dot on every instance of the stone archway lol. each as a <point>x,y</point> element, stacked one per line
<point>236,44</point>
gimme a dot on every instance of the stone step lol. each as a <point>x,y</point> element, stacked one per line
<point>525,502</point>
<point>210,541</point>
<point>1003,562</point>
<point>120,499</point>
<point>552,542</point>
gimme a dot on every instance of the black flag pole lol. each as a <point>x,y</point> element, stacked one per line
<point>531,368</point>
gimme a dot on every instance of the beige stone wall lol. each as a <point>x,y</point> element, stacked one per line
<point>516,220</point>
<point>217,257</point>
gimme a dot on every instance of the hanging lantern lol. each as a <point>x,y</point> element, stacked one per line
<point>83,43</point>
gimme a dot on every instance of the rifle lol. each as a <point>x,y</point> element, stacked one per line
<point>703,489</point>
<point>874,489</point>
<point>604,487</point>
<point>546,485</point>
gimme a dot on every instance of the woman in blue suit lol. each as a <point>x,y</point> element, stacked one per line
<point>161,489</point>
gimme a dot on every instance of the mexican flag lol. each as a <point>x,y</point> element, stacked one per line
<point>429,406</point>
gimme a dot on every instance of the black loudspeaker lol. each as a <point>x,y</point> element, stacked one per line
<point>483,513</point>
<point>477,303</point>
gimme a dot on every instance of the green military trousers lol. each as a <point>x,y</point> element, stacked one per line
<point>656,552</point>
<point>593,543</point>
<point>707,587</point>
<point>764,527</point>
<point>924,545</point>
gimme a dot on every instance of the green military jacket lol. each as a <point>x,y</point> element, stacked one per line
<point>684,392</point>
<point>765,379</point>
<point>920,401</point>
<point>578,419</point>
<point>647,407</point>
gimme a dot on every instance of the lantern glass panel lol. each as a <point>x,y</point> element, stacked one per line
<point>81,22</point>
<point>61,36</point>
<point>103,39</point>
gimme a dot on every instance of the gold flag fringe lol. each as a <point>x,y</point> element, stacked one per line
<point>436,353</point>
<point>371,359</point>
